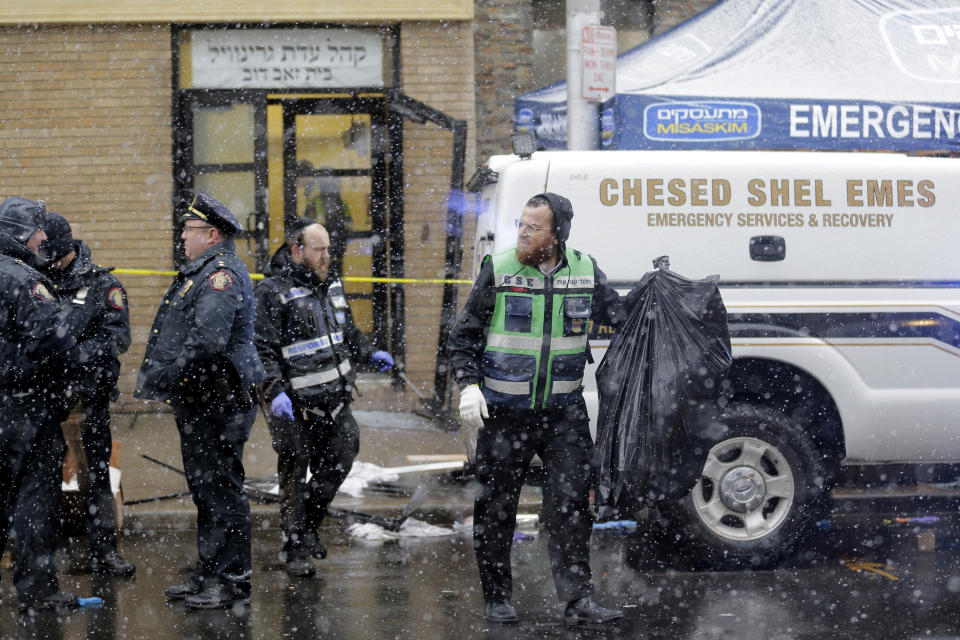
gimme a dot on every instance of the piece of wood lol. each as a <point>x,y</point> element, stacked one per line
<point>436,457</point>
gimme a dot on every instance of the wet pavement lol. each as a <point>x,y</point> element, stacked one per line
<point>861,576</point>
<point>855,584</point>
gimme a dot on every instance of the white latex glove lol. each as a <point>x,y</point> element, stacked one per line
<point>473,408</point>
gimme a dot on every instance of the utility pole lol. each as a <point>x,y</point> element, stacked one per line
<point>583,119</point>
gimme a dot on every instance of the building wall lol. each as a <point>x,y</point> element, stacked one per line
<point>87,128</point>
<point>437,69</point>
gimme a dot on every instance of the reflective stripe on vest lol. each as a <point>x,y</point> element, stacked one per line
<point>320,377</point>
<point>306,347</point>
<point>537,337</point>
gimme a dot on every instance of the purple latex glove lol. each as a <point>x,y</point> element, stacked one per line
<point>382,360</point>
<point>281,407</point>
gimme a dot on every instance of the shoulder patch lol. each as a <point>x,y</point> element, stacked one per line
<point>220,280</point>
<point>115,298</point>
<point>41,292</point>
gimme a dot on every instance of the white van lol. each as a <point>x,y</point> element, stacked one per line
<point>841,277</point>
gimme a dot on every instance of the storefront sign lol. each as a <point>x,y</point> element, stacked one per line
<point>286,58</point>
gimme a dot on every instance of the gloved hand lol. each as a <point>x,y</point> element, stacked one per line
<point>382,360</point>
<point>282,407</point>
<point>473,409</point>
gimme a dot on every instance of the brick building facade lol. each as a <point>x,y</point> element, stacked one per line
<point>93,100</point>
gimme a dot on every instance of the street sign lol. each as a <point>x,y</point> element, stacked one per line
<point>598,59</point>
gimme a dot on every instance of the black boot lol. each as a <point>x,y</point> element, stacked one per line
<point>218,595</point>
<point>300,566</point>
<point>56,600</point>
<point>499,612</point>
<point>587,611</point>
<point>112,564</point>
<point>191,587</point>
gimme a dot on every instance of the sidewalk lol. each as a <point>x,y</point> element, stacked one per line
<point>386,439</point>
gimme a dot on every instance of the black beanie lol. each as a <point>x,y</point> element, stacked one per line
<point>59,240</point>
<point>562,214</point>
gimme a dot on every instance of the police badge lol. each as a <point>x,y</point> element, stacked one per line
<point>40,292</point>
<point>115,298</point>
<point>220,281</point>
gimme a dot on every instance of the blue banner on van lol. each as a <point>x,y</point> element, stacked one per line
<point>767,74</point>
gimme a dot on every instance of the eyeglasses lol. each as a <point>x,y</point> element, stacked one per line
<point>532,228</point>
<point>194,228</point>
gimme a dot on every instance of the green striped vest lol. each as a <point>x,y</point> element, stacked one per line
<point>537,342</point>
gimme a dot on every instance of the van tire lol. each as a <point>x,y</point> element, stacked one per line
<point>761,491</point>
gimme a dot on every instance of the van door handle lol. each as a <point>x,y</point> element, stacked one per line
<point>768,248</point>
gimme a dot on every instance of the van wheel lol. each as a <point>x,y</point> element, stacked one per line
<point>760,492</point>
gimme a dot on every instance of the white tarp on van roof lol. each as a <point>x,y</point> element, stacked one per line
<point>782,74</point>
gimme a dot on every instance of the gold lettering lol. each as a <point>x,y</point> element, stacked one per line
<point>606,198</point>
<point>698,192</point>
<point>721,192</point>
<point>801,192</point>
<point>854,193</point>
<point>655,192</point>
<point>905,193</point>
<point>758,197</point>
<point>779,192</point>
<point>818,194</point>
<point>678,197</point>
<point>879,193</point>
<point>925,190</point>
<point>632,192</point>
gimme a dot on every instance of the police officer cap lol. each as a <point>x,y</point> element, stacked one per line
<point>213,212</point>
<point>562,213</point>
<point>21,218</point>
<point>59,240</point>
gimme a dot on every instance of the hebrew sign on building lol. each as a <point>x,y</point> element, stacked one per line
<point>286,58</point>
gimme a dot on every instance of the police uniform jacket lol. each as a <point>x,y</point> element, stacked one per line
<point>35,337</point>
<point>468,338</point>
<point>103,332</point>
<point>306,337</point>
<point>201,342</point>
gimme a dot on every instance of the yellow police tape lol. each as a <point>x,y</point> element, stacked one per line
<point>260,276</point>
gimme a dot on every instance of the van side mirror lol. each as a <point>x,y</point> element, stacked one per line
<point>768,248</point>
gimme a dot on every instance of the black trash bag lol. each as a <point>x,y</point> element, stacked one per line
<point>659,386</point>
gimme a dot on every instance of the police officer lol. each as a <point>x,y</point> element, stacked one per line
<point>518,350</point>
<point>310,348</point>
<point>36,342</point>
<point>200,359</point>
<point>103,334</point>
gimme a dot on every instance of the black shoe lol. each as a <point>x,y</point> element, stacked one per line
<point>587,611</point>
<point>499,612</point>
<point>112,564</point>
<point>218,596</point>
<point>300,567</point>
<point>188,588</point>
<point>56,600</point>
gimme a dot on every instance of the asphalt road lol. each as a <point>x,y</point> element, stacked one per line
<point>855,580</point>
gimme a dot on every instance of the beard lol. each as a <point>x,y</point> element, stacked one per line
<point>534,255</point>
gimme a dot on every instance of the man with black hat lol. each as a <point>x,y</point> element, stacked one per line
<point>103,334</point>
<point>200,359</point>
<point>518,351</point>
<point>310,347</point>
<point>36,343</point>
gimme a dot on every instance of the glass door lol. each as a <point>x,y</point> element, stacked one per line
<point>334,158</point>
<point>222,151</point>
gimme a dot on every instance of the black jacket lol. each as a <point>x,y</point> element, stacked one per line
<point>36,338</point>
<point>104,320</point>
<point>201,342</point>
<point>468,338</point>
<point>306,337</point>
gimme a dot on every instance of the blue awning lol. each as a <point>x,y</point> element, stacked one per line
<point>781,74</point>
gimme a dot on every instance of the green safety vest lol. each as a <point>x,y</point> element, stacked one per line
<point>536,346</point>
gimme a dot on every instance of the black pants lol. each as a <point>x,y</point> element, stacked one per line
<point>31,455</point>
<point>212,443</point>
<point>505,446</point>
<point>328,445</point>
<point>93,415</point>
